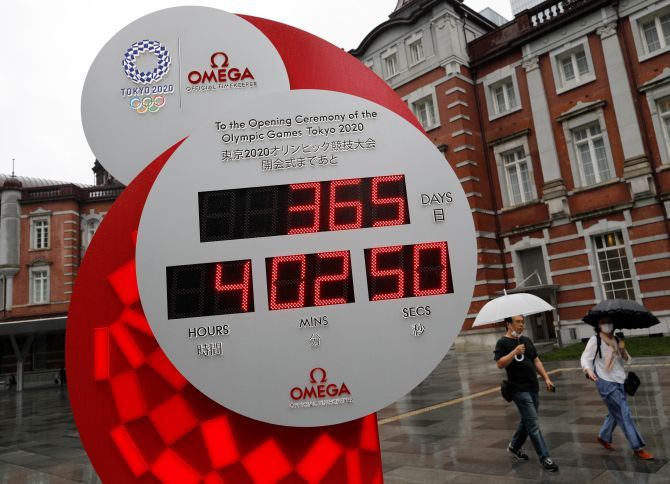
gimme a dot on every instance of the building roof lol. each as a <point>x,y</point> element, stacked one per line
<point>529,24</point>
<point>32,182</point>
<point>407,12</point>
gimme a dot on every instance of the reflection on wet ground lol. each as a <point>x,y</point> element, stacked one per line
<point>452,427</point>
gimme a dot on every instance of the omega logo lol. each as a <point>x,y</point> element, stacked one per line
<point>320,388</point>
<point>220,71</point>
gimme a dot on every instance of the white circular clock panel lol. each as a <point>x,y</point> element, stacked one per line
<point>306,259</point>
<point>158,77</point>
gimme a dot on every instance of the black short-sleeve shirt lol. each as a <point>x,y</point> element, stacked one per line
<point>522,375</point>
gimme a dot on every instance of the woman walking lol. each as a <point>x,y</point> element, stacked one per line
<point>602,362</point>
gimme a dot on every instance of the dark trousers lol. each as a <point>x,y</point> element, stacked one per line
<point>528,404</point>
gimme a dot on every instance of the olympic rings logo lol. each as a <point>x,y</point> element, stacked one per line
<point>146,77</point>
<point>147,104</point>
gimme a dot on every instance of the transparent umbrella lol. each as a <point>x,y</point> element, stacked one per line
<point>510,305</point>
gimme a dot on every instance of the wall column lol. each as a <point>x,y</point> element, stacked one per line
<point>20,354</point>
<point>636,167</point>
<point>553,191</point>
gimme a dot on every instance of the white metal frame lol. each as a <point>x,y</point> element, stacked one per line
<point>569,50</point>
<point>47,284</point>
<point>415,40</point>
<point>569,125</point>
<point>653,11</point>
<point>604,227</point>
<point>499,151</point>
<point>387,55</point>
<point>654,97</point>
<point>420,95</point>
<point>505,75</point>
<point>35,230</point>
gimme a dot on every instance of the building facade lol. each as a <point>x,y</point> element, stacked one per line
<point>45,228</point>
<point>558,126</point>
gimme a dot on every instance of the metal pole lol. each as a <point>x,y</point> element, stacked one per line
<point>20,354</point>
<point>19,363</point>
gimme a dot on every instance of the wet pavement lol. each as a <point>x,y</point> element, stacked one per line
<point>454,427</point>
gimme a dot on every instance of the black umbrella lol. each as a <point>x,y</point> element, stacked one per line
<point>624,313</point>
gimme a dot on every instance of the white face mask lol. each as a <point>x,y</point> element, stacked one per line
<point>515,334</point>
<point>607,328</point>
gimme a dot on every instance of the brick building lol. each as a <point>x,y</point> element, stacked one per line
<point>557,124</point>
<point>45,227</point>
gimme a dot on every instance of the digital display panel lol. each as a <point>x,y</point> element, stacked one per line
<point>402,271</point>
<point>305,280</point>
<point>302,208</point>
<point>209,289</point>
<point>340,253</point>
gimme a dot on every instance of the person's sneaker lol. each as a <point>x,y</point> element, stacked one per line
<point>549,465</point>
<point>604,443</point>
<point>643,454</point>
<point>518,454</point>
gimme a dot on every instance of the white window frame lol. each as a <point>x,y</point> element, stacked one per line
<point>603,227</point>
<point>570,49</point>
<point>597,251</point>
<point>589,141</point>
<point>665,121</point>
<point>415,39</point>
<point>416,106</point>
<point>575,122</point>
<point>654,97</point>
<point>504,75</point>
<point>499,151</point>
<point>421,94</point>
<point>509,102</point>
<point>34,232</point>
<point>390,53</point>
<point>526,193</point>
<point>653,11</point>
<point>86,238</point>
<point>47,293</point>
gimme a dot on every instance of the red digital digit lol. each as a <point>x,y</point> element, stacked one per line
<point>397,202</point>
<point>397,273</point>
<point>339,206</point>
<point>322,279</point>
<point>305,208</point>
<point>243,286</point>
<point>421,271</point>
<point>298,288</point>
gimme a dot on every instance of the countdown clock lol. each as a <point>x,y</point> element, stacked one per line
<point>306,259</point>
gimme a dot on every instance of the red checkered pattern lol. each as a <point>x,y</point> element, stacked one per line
<point>140,419</point>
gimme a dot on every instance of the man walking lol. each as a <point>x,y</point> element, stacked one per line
<point>518,356</point>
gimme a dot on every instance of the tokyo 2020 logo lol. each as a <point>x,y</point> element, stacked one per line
<point>163,61</point>
<point>149,104</point>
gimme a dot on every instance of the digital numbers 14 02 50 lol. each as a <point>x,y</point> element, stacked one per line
<point>306,280</point>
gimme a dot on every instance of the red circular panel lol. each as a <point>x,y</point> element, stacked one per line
<point>139,419</point>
